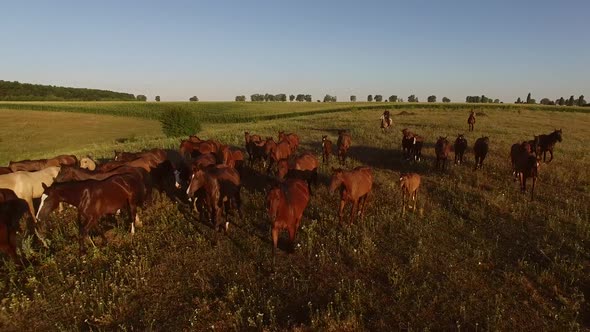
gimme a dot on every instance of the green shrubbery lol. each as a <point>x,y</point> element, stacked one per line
<point>179,122</point>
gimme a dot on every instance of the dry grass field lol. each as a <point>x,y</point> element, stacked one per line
<point>478,256</point>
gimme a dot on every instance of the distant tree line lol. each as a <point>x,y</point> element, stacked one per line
<point>267,97</point>
<point>481,99</point>
<point>36,92</point>
<point>329,99</point>
<point>571,101</point>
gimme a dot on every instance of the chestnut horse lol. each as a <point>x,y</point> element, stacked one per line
<point>293,140</point>
<point>547,143</point>
<point>303,167</point>
<point>12,209</point>
<point>188,149</point>
<point>471,120</point>
<point>409,184</point>
<point>442,148</point>
<point>28,185</point>
<point>344,142</point>
<point>222,186</point>
<point>355,187</point>
<point>285,203</point>
<point>276,151</point>
<point>326,149</point>
<point>37,165</point>
<point>525,165</point>
<point>158,155</point>
<point>95,199</point>
<point>460,147</point>
<point>480,149</point>
<point>250,141</point>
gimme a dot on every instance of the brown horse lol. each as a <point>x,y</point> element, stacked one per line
<point>95,199</point>
<point>442,149</point>
<point>158,155</point>
<point>412,145</point>
<point>276,151</point>
<point>525,165</point>
<point>460,147</point>
<point>304,167</point>
<point>471,120</point>
<point>292,139</point>
<point>344,142</point>
<point>222,186</point>
<point>5,170</point>
<point>194,139</point>
<point>285,203</point>
<point>547,143</point>
<point>386,121</point>
<point>355,187</point>
<point>188,149</point>
<point>409,184</point>
<point>37,165</point>
<point>326,149</point>
<point>250,142</point>
<point>12,209</point>
<point>480,149</point>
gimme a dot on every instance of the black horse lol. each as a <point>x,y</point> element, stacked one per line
<point>546,143</point>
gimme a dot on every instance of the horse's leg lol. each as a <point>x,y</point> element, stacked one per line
<point>551,155</point>
<point>292,229</point>
<point>238,201</point>
<point>29,201</point>
<point>341,210</point>
<point>132,215</point>
<point>362,210</point>
<point>533,188</point>
<point>353,210</point>
<point>275,242</point>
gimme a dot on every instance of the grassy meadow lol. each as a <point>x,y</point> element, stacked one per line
<point>478,256</point>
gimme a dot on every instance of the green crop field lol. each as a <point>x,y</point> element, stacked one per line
<point>478,256</point>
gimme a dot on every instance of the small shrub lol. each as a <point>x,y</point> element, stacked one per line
<point>179,122</point>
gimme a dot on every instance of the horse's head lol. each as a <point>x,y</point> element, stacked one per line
<point>558,134</point>
<point>66,173</point>
<point>281,134</point>
<point>197,180</point>
<point>273,201</point>
<point>87,163</point>
<point>49,202</point>
<point>337,178</point>
<point>282,168</point>
<point>117,155</point>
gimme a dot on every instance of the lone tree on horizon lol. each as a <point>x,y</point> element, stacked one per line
<point>370,98</point>
<point>353,98</point>
<point>291,97</point>
<point>432,99</point>
<point>193,98</point>
<point>141,98</point>
<point>157,98</point>
<point>528,98</point>
<point>446,100</point>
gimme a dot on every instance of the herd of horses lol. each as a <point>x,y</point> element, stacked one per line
<point>209,174</point>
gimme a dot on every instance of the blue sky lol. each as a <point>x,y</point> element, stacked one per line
<point>219,49</point>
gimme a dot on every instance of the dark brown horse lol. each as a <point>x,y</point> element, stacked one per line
<point>471,120</point>
<point>250,141</point>
<point>5,170</point>
<point>147,164</point>
<point>355,187</point>
<point>326,149</point>
<point>257,152</point>
<point>480,149</point>
<point>460,147</point>
<point>37,165</point>
<point>285,203</point>
<point>12,209</point>
<point>442,149</point>
<point>293,140</point>
<point>344,142</point>
<point>158,155</point>
<point>412,145</point>
<point>222,186</point>
<point>303,167</point>
<point>95,199</point>
<point>547,143</point>
<point>525,165</point>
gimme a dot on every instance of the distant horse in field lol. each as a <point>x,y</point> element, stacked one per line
<point>525,165</point>
<point>326,149</point>
<point>471,120</point>
<point>355,187</point>
<point>222,186</point>
<point>460,147</point>
<point>29,185</point>
<point>547,143</point>
<point>386,121</point>
<point>95,199</point>
<point>12,209</point>
<point>480,149</point>
<point>442,149</point>
<point>343,144</point>
<point>293,140</point>
<point>250,140</point>
<point>412,145</point>
<point>285,203</point>
<point>304,167</point>
<point>37,165</point>
<point>409,184</point>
